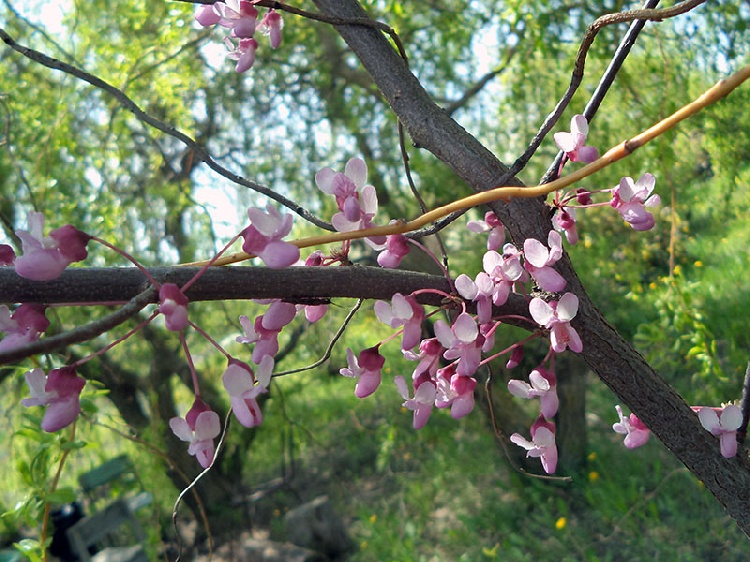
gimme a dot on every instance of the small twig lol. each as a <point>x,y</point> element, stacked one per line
<point>201,152</point>
<point>333,341</point>
<point>580,64</point>
<point>605,82</point>
<point>190,486</point>
<point>745,407</point>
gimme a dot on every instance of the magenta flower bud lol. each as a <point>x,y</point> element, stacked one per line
<point>72,242</point>
<point>583,197</point>
<point>516,356</point>
<point>7,255</point>
<point>173,306</point>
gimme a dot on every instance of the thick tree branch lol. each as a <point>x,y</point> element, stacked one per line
<point>611,357</point>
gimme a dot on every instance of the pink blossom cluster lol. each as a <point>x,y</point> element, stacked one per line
<point>630,198</point>
<point>241,17</point>
<point>445,375</point>
<point>357,203</point>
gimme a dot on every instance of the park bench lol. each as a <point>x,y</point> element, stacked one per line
<point>112,503</point>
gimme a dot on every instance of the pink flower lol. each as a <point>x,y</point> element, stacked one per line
<point>636,434</point>
<point>429,355</point>
<point>271,25</point>
<point>24,326</point>
<point>60,391</point>
<point>539,262</point>
<point>462,341</point>
<point>243,53</point>
<point>238,15</point>
<point>45,258</point>
<point>572,143</point>
<point>516,356</point>
<point>244,387</point>
<point>543,386</point>
<point>396,248</point>
<point>357,201</point>
<point>565,221</point>
<point>455,390</point>
<point>542,444</point>
<point>556,317</point>
<point>631,199</point>
<point>480,291</point>
<point>403,311</point>
<point>503,271</point>
<point>207,16</point>
<point>264,331</point>
<point>366,369</point>
<point>199,428</point>
<point>263,237</point>
<point>173,305</point>
<point>492,225</point>
<point>422,403</point>
<point>725,426</point>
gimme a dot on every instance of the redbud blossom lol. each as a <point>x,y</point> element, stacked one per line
<point>480,291</point>
<point>199,428</point>
<point>173,305</point>
<point>45,258</point>
<point>635,432</point>
<point>238,15</point>
<point>455,390</point>
<point>492,225</point>
<point>421,404</point>
<point>565,221</point>
<point>266,341</point>
<point>396,248</point>
<point>60,391</point>
<point>243,53</point>
<point>7,255</point>
<point>207,16</point>
<point>572,143</point>
<point>725,426</point>
<point>503,271</point>
<point>631,199</point>
<point>403,311</point>
<point>556,317</point>
<point>539,261</point>
<point>543,386</point>
<point>24,326</point>
<point>263,237</point>
<point>516,356</point>
<point>462,341</point>
<point>244,386</point>
<point>542,444</point>
<point>271,25</point>
<point>367,369</point>
<point>357,201</point>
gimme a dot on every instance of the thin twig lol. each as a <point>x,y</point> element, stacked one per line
<point>605,82</point>
<point>201,152</point>
<point>576,78</point>
<point>333,341</point>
